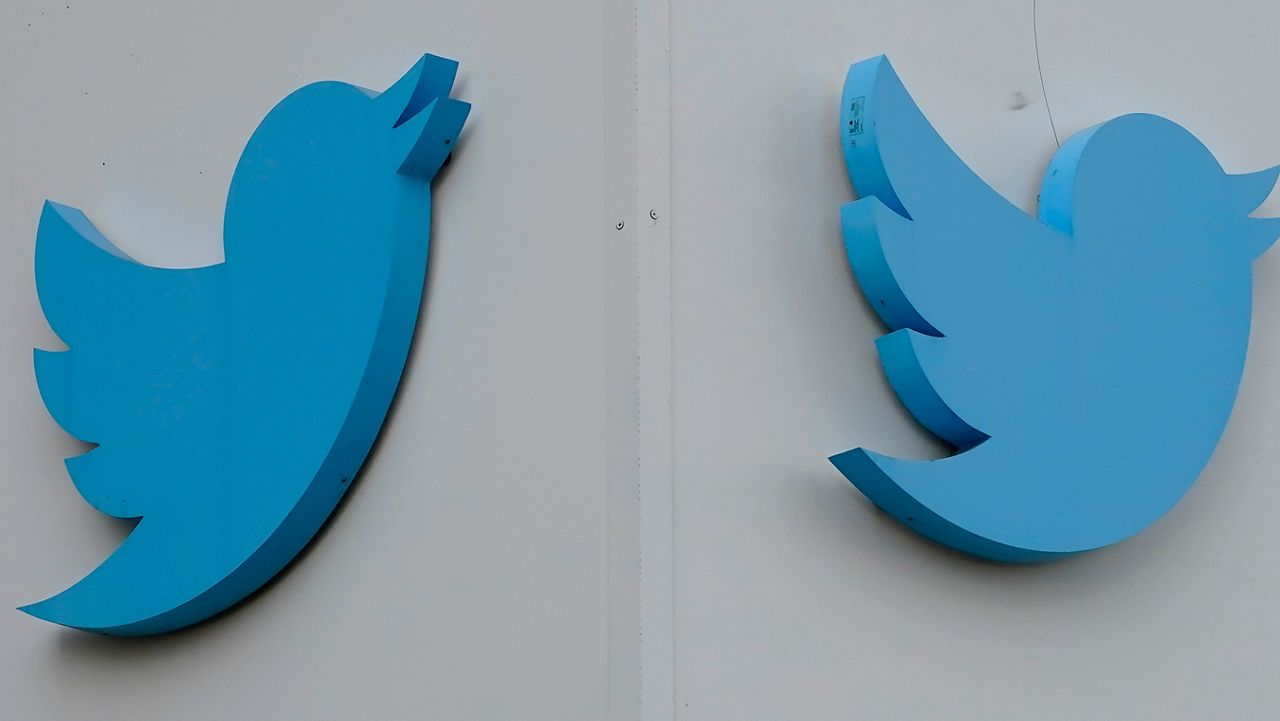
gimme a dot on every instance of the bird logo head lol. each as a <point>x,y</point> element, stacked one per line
<point>331,152</point>
<point>1145,176</point>
<point>345,144</point>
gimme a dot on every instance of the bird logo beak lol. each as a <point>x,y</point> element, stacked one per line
<point>425,121</point>
<point>1247,192</point>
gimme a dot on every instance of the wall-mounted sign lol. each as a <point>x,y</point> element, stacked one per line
<point>1083,363</point>
<point>234,404</point>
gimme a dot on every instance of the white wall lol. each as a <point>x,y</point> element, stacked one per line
<point>488,564</point>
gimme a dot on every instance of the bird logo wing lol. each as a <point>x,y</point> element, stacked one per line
<point>952,268</point>
<point>118,384</point>
<point>940,256</point>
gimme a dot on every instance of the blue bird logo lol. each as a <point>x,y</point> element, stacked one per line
<point>233,404</point>
<point>1083,363</point>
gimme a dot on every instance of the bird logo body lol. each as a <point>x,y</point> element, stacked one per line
<point>1084,362</point>
<point>233,404</point>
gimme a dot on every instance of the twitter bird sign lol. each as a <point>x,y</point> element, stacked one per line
<point>1083,363</point>
<point>232,405</point>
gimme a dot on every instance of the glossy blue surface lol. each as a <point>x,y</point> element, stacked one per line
<point>233,404</point>
<point>1083,363</point>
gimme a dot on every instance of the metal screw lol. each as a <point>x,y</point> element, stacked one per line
<point>620,225</point>
<point>653,214</point>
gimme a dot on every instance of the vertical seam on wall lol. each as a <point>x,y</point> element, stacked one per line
<point>640,588</point>
<point>654,335</point>
<point>639,409</point>
<point>622,394</point>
